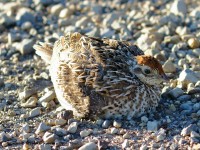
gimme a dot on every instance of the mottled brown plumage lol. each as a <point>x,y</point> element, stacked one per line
<point>102,77</point>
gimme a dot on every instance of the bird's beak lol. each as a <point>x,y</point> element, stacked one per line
<point>164,76</point>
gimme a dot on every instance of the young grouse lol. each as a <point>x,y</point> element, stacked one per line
<point>102,77</point>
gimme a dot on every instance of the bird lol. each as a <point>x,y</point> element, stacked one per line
<point>102,78</point>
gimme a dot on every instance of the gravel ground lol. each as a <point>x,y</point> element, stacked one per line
<point>30,115</point>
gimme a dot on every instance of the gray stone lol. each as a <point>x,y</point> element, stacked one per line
<point>89,146</point>
<point>186,106</point>
<point>196,107</point>
<point>6,21</point>
<point>26,93</point>
<point>26,25</point>
<point>35,112</point>
<point>43,2</point>
<point>42,128</point>
<point>50,95</point>
<point>179,7</point>
<point>108,33</point>
<point>13,37</point>
<point>72,127</point>
<point>56,9</point>
<point>109,19</point>
<point>187,130</point>
<point>143,147</point>
<point>82,22</point>
<point>25,128</point>
<point>85,133</point>
<point>25,15</point>
<point>188,76</point>
<point>152,125</point>
<point>44,147</point>
<point>176,92</point>
<point>26,46</point>
<point>184,98</point>
<point>114,131</point>
<point>169,67</point>
<point>125,144</point>
<point>117,123</point>
<point>49,137</point>
<point>65,13</point>
<point>30,103</point>
<point>60,131</point>
<point>106,124</point>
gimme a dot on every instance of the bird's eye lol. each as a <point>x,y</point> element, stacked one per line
<point>147,71</point>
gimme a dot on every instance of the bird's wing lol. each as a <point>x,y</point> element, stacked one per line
<point>92,70</point>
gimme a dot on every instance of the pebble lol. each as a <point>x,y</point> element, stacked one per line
<point>176,92</point>
<point>44,147</point>
<point>85,133</point>
<point>106,124</point>
<point>60,131</point>
<point>194,43</point>
<point>143,147</point>
<point>187,76</point>
<point>169,67</point>
<point>50,95</point>
<point>49,138</point>
<point>25,15</point>
<point>152,125</point>
<point>30,103</point>
<point>144,119</point>
<point>89,146</point>
<point>72,128</point>
<point>56,9</point>
<point>194,134</point>
<point>179,7</point>
<point>187,130</point>
<point>35,112</point>
<point>26,46</point>
<point>25,128</point>
<point>42,128</point>
<point>126,136</point>
<point>60,122</point>
<point>117,124</point>
<point>65,13</point>
<point>114,131</point>
<point>26,93</point>
<point>125,144</point>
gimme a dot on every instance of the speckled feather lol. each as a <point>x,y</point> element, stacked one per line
<point>94,77</point>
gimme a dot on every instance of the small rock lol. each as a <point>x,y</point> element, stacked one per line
<point>169,67</point>
<point>4,144</point>
<point>186,106</point>
<point>30,103</point>
<point>13,37</point>
<point>194,134</point>
<point>44,147</point>
<point>126,136</point>
<point>196,107</point>
<point>117,124</point>
<point>65,13</point>
<point>60,131</point>
<point>50,95</point>
<point>26,46</point>
<point>143,147</point>
<point>184,98</point>
<point>188,76</point>
<point>60,122</point>
<point>25,15</point>
<point>176,92</point>
<point>114,131</point>
<point>89,146</point>
<point>152,125</point>
<point>72,127</point>
<point>55,9</point>
<point>125,144</point>
<point>194,43</point>
<point>186,131</point>
<point>42,128</point>
<point>82,22</point>
<point>106,124</point>
<point>25,128</point>
<point>196,147</point>
<point>25,146</point>
<point>144,119</point>
<point>35,112</point>
<point>49,137</point>
<point>26,93</point>
<point>26,26</point>
<point>85,133</point>
<point>179,7</point>
<point>160,137</point>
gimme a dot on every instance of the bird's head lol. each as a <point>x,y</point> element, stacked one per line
<point>149,70</point>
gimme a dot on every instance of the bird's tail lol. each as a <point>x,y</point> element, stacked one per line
<point>44,50</point>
